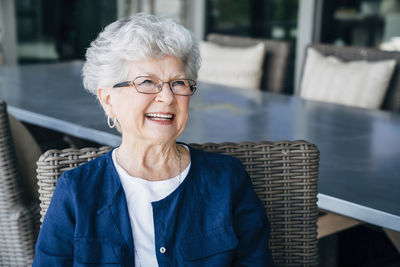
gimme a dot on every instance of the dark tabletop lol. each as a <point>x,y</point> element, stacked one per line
<point>359,148</point>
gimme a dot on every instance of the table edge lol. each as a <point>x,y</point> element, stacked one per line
<point>358,212</point>
<point>65,127</point>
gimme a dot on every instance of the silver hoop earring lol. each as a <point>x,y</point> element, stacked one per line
<point>113,121</point>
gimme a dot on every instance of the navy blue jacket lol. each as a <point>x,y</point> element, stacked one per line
<point>213,218</point>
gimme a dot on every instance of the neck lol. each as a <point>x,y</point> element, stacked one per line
<point>150,161</point>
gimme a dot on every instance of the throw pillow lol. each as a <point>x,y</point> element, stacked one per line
<point>232,66</point>
<point>355,83</point>
<point>27,152</point>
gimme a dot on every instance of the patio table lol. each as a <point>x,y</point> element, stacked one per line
<point>359,148</point>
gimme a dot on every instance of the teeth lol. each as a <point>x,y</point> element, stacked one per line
<point>159,116</point>
<point>160,119</point>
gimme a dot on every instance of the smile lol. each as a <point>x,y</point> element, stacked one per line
<point>160,116</point>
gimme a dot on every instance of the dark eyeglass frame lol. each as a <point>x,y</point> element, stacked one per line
<point>158,86</point>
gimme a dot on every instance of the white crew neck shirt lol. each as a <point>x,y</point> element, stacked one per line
<point>139,195</point>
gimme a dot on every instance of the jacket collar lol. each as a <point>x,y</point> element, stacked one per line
<point>116,212</point>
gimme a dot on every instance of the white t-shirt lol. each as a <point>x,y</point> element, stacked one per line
<point>139,195</point>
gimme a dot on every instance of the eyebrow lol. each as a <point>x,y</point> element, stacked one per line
<point>177,76</point>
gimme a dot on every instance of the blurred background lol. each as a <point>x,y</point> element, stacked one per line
<point>37,31</point>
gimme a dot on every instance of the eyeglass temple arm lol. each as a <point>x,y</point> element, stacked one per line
<point>123,84</point>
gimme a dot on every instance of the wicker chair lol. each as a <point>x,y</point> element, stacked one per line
<point>19,216</point>
<point>276,62</point>
<point>285,178</point>
<point>392,98</point>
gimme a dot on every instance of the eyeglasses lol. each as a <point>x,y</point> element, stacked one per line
<point>150,85</point>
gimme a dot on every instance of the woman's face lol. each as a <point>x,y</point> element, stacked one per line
<point>142,116</point>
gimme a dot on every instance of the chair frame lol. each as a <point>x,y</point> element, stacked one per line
<point>284,175</point>
<point>352,53</point>
<point>19,216</point>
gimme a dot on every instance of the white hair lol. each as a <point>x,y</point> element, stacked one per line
<point>137,37</point>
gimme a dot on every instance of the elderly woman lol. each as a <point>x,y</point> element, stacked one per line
<point>151,201</point>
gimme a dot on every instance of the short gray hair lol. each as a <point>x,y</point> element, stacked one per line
<point>137,37</point>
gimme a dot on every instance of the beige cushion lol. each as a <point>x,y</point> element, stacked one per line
<point>232,66</point>
<point>27,152</point>
<point>392,45</point>
<point>356,83</point>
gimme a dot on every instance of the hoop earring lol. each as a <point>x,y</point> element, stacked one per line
<point>114,122</point>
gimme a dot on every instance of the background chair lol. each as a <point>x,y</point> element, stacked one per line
<point>392,97</point>
<point>19,206</point>
<point>284,175</point>
<point>276,61</point>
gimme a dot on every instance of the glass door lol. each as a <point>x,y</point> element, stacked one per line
<point>56,30</point>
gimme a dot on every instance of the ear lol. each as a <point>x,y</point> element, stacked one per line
<point>104,96</point>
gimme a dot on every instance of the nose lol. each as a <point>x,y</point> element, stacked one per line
<point>165,95</point>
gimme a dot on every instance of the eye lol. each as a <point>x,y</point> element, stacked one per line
<point>179,83</point>
<point>147,82</point>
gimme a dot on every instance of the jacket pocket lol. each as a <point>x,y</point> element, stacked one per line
<point>210,243</point>
<point>93,250</point>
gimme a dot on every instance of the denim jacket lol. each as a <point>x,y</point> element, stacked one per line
<point>213,218</point>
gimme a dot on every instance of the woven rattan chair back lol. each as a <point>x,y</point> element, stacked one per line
<point>284,175</point>
<point>276,61</point>
<point>19,220</point>
<point>352,53</point>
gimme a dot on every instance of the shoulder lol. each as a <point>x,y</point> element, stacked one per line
<point>84,171</point>
<point>218,170</point>
<point>93,176</point>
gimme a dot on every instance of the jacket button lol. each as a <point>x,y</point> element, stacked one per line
<point>163,249</point>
